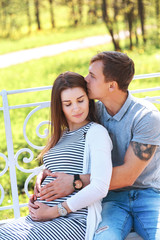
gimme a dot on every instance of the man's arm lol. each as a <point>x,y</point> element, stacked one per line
<point>137,157</point>
<point>61,187</point>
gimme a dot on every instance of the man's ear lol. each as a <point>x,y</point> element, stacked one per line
<point>113,86</point>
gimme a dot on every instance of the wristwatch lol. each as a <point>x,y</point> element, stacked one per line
<point>77,182</point>
<point>61,210</point>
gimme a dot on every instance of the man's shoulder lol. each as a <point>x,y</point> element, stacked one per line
<point>143,108</point>
<point>145,122</point>
<point>142,103</point>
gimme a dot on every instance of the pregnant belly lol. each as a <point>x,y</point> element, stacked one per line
<point>78,214</point>
<point>47,180</point>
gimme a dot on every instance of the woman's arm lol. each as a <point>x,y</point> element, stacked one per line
<point>40,177</point>
<point>61,187</point>
<point>99,146</point>
<point>42,212</point>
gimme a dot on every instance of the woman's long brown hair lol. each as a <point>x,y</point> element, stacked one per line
<point>58,121</point>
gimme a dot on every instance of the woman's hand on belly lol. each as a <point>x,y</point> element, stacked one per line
<point>43,212</point>
<point>40,177</point>
<point>31,202</point>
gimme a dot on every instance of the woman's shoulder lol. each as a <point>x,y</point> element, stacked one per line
<point>98,128</point>
<point>98,135</point>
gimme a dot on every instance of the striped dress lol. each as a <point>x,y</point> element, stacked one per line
<point>67,157</point>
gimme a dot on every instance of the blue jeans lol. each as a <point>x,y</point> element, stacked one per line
<point>124,210</point>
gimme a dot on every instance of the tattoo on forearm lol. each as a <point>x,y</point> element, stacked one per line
<point>143,151</point>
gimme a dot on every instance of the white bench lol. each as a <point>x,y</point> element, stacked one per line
<point>11,159</point>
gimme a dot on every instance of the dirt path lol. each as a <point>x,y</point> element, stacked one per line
<point>22,56</point>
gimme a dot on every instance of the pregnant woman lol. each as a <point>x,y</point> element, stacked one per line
<point>77,145</point>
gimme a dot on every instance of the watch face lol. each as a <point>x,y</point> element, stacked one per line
<point>78,184</point>
<point>62,211</point>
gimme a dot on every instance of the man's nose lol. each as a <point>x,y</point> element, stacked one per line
<point>87,78</point>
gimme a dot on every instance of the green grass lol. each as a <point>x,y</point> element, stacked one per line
<point>63,31</point>
<point>48,37</point>
<point>42,72</point>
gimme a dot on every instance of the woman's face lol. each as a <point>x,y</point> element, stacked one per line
<point>75,105</point>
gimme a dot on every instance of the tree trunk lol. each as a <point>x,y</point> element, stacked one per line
<point>3,18</point>
<point>158,20</point>
<point>114,40</point>
<point>37,14</point>
<point>95,10</point>
<point>51,13</point>
<point>73,16</point>
<point>142,18</point>
<point>28,16</point>
<point>80,4</point>
<point>109,24</point>
<point>130,12</point>
<point>92,12</point>
<point>136,35</point>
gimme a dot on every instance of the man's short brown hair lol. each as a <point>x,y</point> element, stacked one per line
<point>117,67</point>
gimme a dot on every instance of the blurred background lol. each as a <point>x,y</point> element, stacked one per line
<point>133,27</point>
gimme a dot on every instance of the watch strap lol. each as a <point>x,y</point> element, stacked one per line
<point>76,177</point>
<point>61,210</point>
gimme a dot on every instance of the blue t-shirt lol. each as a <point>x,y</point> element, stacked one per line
<point>138,120</point>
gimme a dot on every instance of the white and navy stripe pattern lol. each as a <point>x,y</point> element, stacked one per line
<point>67,157</point>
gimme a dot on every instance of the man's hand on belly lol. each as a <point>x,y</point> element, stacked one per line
<point>62,186</point>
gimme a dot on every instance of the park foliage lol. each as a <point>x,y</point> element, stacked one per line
<point>19,19</point>
<point>19,29</point>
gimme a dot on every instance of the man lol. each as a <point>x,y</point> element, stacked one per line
<point>134,127</point>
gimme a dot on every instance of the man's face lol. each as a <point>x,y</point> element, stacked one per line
<point>97,87</point>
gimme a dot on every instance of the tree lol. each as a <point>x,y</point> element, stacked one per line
<point>110,24</point>
<point>93,7</point>
<point>28,15</point>
<point>51,13</point>
<point>3,15</point>
<point>129,13</point>
<point>76,10</point>
<point>37,14</point>
<point>80,10</point>
<point>142,18</point>
<point>157,6</point>
<point>73,15</point>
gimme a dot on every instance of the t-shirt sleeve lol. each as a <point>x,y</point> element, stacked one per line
<point>100,147</point>
<point>147,129</point>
